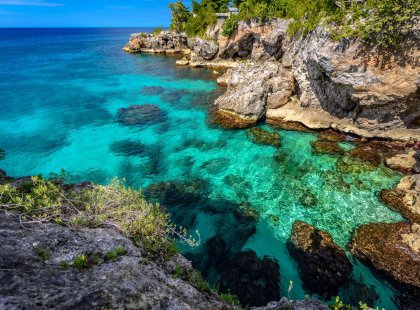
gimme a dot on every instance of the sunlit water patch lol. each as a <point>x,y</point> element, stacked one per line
<point>67,100</point>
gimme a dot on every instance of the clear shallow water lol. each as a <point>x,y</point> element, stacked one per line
<point>60,91</point>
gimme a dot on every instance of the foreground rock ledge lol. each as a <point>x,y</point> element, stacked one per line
<point>131,282</point>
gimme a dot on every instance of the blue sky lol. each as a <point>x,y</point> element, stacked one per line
<point>84,13</point>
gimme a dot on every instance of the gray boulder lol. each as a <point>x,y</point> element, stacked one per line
<point>33,277</point>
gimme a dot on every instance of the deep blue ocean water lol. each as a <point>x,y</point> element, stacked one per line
<point>60,93</point>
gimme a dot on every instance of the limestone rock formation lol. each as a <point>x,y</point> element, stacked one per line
<point>366,92</point>
<point>132,281</point>
<point>165,42</point>
<point>339,85</point>
<point>402,162</point>
<point>252,86</point>
<point>323,265</point>
<point>206,49</point>
<point>405,198</point>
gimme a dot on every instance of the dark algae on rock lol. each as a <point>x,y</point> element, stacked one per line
<point>323,265</point>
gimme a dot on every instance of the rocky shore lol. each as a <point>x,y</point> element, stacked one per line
<point>314,83</point>
<point>310,80</point>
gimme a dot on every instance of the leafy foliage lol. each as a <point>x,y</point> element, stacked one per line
<point>157,30</point>
<point>230,299</point>
<point>196,279</point>
<point>178,272</point>
<point>114,205</point>
<point>390,20</point>
<point>382,22</point>
<point>180,15</point>
<point>81,261</point>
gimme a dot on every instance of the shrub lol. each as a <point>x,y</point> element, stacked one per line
<point>379,22</point>
<point>97,206</point>
<point>196,279</point>
<point>389,21</point>
<point>230,25</point>
<point>81,261</point>
<point>230,299</point>
<point>178,272</point>
<point>157,30</point>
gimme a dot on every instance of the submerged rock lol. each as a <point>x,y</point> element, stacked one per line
<point>131,281</point>
<point>152,90</point>
<point>146,114</point>
<point>393,250</point>
<point>405,198</point>
<point>321,146</point>
<point>279,123</point>
<point>128,148</point>
<point>229,120</point>
<point>255,281</point>
<point>354,292</point>
<point>368,153</point>
<point>2,154</point>
<point>177,192</point>
<point>323,265</point>
<point>347,165</point>
<point>308,199</point>
<point>264,137</point>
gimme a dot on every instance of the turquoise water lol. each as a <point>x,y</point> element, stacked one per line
<point>60,93</point>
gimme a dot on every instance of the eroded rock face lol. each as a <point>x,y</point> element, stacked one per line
<point>252,86</point>
<point>254,40</point>
<point>402,162</point>
<point>405,198</point>
<point>164,41</point>
<point>392,249</point>
<point>130,282</point>
<point>206,49</point>
<point>323,265</point>
<point>366,92</point>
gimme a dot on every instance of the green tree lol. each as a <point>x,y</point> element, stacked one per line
<point>180,15</point>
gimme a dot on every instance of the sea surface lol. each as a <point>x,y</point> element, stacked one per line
<point>61,91</point>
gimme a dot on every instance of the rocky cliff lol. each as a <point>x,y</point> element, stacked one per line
<point>313,80</point>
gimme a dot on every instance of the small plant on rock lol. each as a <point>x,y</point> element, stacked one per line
<point>230,299</point>
<point>43,253</point>
<point>115,253</point>
<point>81,262</point>
<point>196,279</point>
<point>178,272</point>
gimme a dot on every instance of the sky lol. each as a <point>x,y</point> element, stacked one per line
<point>85,13</point>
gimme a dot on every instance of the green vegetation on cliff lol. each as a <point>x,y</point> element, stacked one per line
<point>114,205</point>
<point>382,22</point>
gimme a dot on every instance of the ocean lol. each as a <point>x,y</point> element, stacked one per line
<point>68,102</point>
